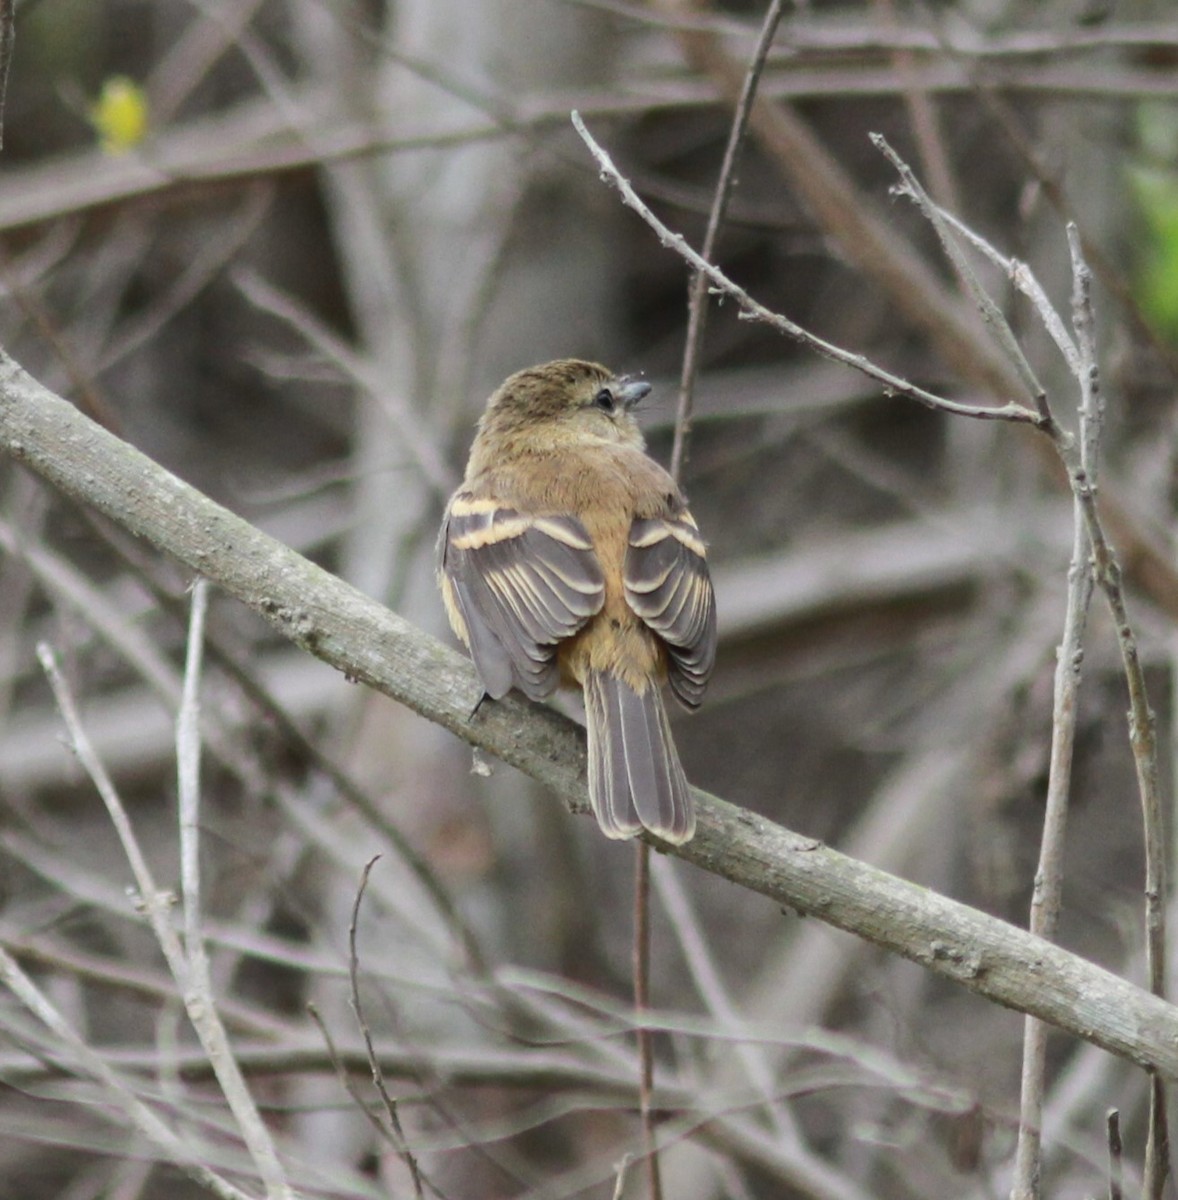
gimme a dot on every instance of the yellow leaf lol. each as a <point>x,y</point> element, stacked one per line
<point>120,115</point>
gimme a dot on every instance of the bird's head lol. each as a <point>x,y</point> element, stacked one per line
<point>565,401</point>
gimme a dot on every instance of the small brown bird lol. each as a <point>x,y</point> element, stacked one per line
<point>568,556</point>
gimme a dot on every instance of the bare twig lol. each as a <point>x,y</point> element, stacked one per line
<point>641,975</point>
<point>1113,1125</point>
<point>7,41</point>
<point>1142,723</point>
<point>1048,890</point>
<point>197,995</point>
<point>77,1057</point>
<point>1021,277</point>
<point>198,992</point>
<point>390,1105</point>
<point>922,114</point>
<point>752,310</point>
<point>188,773</point>
<point>345,1076</point>
<point>697,312</point>
<point>1082,464</point>
<point>990,311</point>
<point>696,324</point>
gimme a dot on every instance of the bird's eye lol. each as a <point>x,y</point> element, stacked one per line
<point>604,400</point>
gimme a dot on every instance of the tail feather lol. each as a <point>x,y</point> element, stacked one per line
<point>635,779</point>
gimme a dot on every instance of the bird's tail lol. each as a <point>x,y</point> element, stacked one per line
<point>635,779</point>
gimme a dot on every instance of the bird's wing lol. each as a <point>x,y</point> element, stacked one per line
<point>669,588</point>
<point>521,584</point>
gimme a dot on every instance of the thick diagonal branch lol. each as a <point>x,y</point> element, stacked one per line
<point>373,645</point>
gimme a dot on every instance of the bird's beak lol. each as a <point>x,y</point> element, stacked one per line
<point>632,391</point>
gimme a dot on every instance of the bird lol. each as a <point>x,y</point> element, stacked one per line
<point>568,557</point>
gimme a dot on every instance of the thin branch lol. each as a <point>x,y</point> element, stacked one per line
<point>1047,896</point>
<point>1142,722</point>
<point>399,1140</point>
<point>373,645</point>
<point>156,903</point>
<point>752,310</point>
<point>7,41</point>
<point>345,1077</point>
<point>645,1038</point>
<point>697,317</point>
<point>1115,1169</point>
<point>1048,890</point>
<point>199,1000</point>
<point>696,324</point>
<point>78,1058</point>
<point>188,775</point>
<point>922,114</point>
<point>1081,463</point>
<point>991,313</point>
<point>1021,277</point>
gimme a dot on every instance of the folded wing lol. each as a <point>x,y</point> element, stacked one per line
<point>522,585</point>
<point>668,586</point>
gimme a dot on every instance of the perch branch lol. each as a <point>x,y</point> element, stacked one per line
<point>372,645</point>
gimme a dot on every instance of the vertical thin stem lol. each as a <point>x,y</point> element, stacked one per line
<point>188,777</point>
<point>922,117</point>
<point>189,975</point>
<point>7,40</point>
<point>697,297</point>
<point>1142,722</point>
<point>1048,889</point>
<point>696,323</point>
<point>198,991</point>
<point>641,966</point>
<point>390,1104</point>
<point>1113,1123</point>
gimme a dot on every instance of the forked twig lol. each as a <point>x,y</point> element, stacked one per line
<point>1080,458</point>
<point>752,310</point>
<point>991,313</point>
